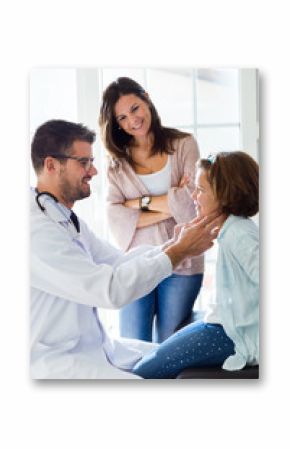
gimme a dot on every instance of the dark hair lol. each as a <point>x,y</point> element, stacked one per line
<point>234,178</point>
<point>116,140</point>
<point>56,137</point>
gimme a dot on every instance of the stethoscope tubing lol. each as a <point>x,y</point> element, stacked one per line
<point>42,208</point>
<point>39,194</point>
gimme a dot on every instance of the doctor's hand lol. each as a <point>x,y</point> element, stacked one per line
<point>181,226</point>
<point>192,239</point>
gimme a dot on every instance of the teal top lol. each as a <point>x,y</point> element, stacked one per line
<point>237,289</point>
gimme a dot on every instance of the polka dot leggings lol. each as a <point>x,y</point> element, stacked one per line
<point>198,344</point>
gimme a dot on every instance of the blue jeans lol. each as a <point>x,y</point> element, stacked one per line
<point>170,302</point>
<point>198,344</point>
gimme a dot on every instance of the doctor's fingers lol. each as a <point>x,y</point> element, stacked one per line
<point>177,230</point>
<point>188,232</point>
<point>201,233</point>
<point>207,219</point>
<point>211,225</point>
<point>190,236</point>
<point>200,245</point>
<point>197,220</point>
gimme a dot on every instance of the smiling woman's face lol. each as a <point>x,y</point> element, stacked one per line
<point>203,195</point>
<point>133,115</point>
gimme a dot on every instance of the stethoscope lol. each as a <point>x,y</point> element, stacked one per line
<point>39,194</point>
<point>73,217</point>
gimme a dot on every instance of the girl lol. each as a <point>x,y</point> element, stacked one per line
<point>229,334</point>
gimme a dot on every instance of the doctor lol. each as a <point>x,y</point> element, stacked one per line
<point>73,273</point>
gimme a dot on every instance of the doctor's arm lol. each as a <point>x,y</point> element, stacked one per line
<point>61,268</point>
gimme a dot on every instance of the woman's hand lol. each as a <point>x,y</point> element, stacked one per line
<point>184,181</point>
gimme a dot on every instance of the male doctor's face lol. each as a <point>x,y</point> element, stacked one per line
<point>75,175</point>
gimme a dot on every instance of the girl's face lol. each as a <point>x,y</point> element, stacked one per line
<point>203,195</point>
<point>133,115</point>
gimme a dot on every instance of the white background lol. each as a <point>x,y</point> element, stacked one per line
<point>144,414</point>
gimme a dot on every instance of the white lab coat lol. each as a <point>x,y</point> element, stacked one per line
<point>71,276</point>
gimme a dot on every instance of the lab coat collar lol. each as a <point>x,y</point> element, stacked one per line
<point>57,212</point>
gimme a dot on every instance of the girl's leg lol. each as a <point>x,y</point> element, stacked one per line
<point>136,318</point>
<point>198,344</point>
<point>176,296</point>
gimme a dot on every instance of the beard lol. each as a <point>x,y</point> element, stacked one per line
<point>74,192</point>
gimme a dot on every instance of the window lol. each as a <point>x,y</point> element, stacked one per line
<point>219,106</point>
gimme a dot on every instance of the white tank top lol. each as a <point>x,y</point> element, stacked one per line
<point>158,183</point>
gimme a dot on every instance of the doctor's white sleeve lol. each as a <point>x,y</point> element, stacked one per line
<point>103,252</point>
<point>62,269</point>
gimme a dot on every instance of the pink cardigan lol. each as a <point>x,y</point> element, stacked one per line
<point>124,184</point>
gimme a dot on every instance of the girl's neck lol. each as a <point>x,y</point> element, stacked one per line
<point>223,219</point>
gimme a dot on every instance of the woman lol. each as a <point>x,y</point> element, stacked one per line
<point>229,334</point>
<point>147,198</point>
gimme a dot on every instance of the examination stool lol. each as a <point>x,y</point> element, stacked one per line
<point>216,372</point>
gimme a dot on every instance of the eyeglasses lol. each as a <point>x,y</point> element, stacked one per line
<point>85,162</point>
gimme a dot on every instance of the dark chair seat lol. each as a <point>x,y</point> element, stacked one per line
<point>216,372</point>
